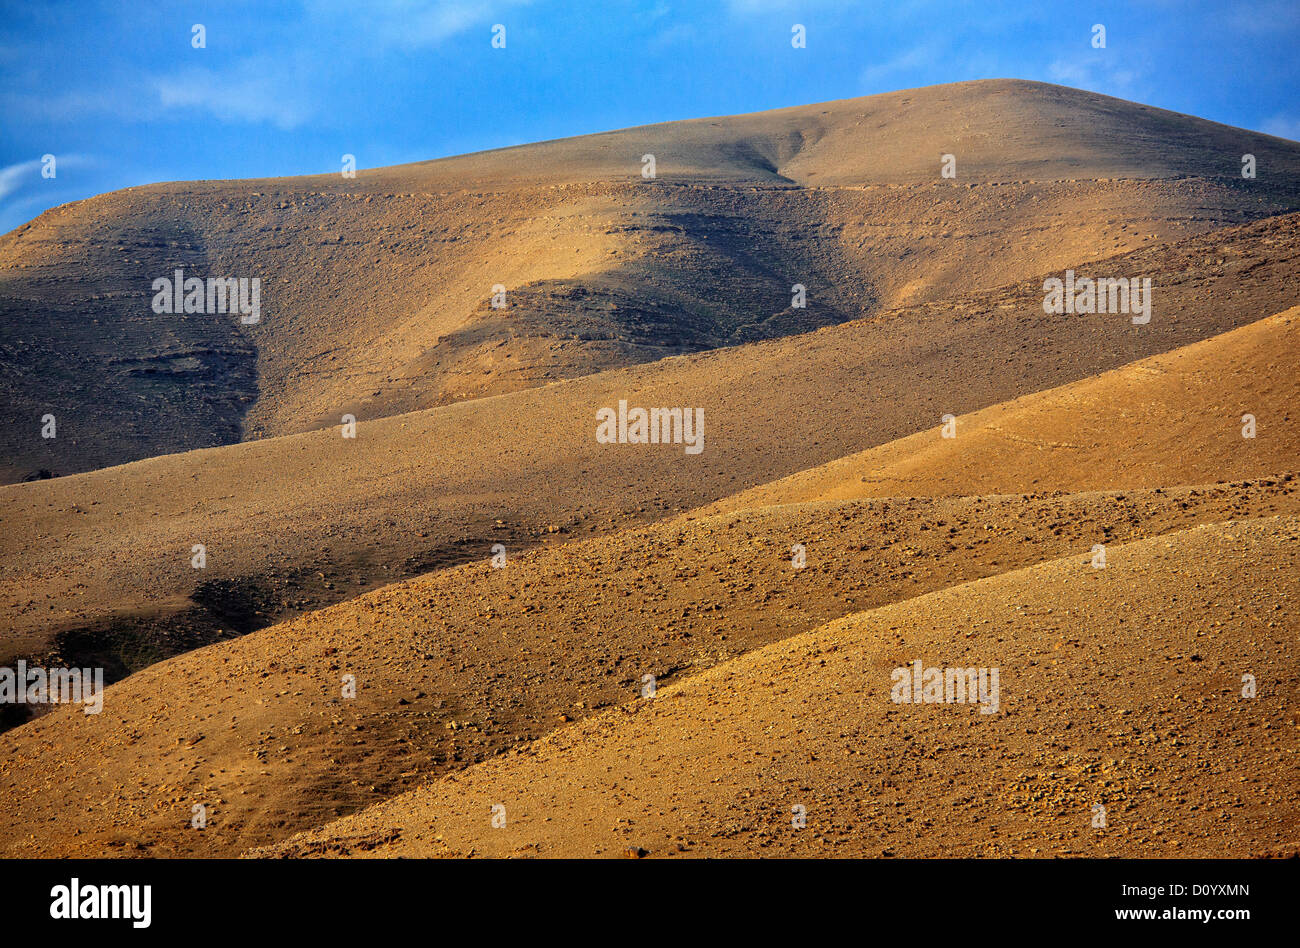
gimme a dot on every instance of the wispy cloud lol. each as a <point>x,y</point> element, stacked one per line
<point>257,89</point>
<point>672,36</point>
<point>762,7</point>
<point>1100,71</point>
<point>73,105</point>
<point>11,177</point>
<point>289,89</point>
<point>1262,17</point>
<point>408,24</point>
<point>1283,126</point>
<point>26,174</point>
<point>909,60</point>
<point>752,7</point>
<point>282,86</point>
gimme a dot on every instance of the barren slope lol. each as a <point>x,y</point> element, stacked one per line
<point>465,663</point>
<point>375,290</point>
<point>1174,418</point>
<point>1119,688</point>
<point>97,566</point>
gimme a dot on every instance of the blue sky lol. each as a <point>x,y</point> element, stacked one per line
<point>118,93</point>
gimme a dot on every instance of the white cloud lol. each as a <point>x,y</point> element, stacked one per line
<point>1283,126</point>
<point>286,91</point>
<point>1097,71</point>
<point>918,57</point>
<point>258,89</point>
<point>760,7</point>
<point>18,176</point>
<point>1262,17</point>
<point>72,106</point>
<point>11,177</point>
<point>672,36</point>
<point>281,88</point>
<point>408,24</point>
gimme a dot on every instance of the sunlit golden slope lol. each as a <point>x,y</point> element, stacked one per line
<point>376,289</point>
<point>1174,418</point>
<point>465,663</point>
<point>99,565</point>
<point>1119,688</point>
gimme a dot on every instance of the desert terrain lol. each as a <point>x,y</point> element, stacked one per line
<point>562,647</point>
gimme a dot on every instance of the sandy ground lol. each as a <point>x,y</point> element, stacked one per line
<point>376,289</point>
<point>768,587</point>
<point>1089,715</point>
<point>1187,408</point>
<point>97,566</point>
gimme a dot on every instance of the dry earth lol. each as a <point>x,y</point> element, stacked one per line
<point>96,567</point>
<point>1089,714</point>
<point>375,289</point>
<point>522,687</point>
<point>1186,407</point>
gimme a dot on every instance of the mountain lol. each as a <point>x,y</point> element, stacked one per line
<point>501,584</point>
<point>1134,722</point>
<point>376,291</point>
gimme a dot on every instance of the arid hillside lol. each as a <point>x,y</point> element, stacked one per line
<point>98,566</point>
<point>466,663</point>
<point>1111,693</point>
<point>376,291</point>
<point>377,640</point>
<point>1221,409</point>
